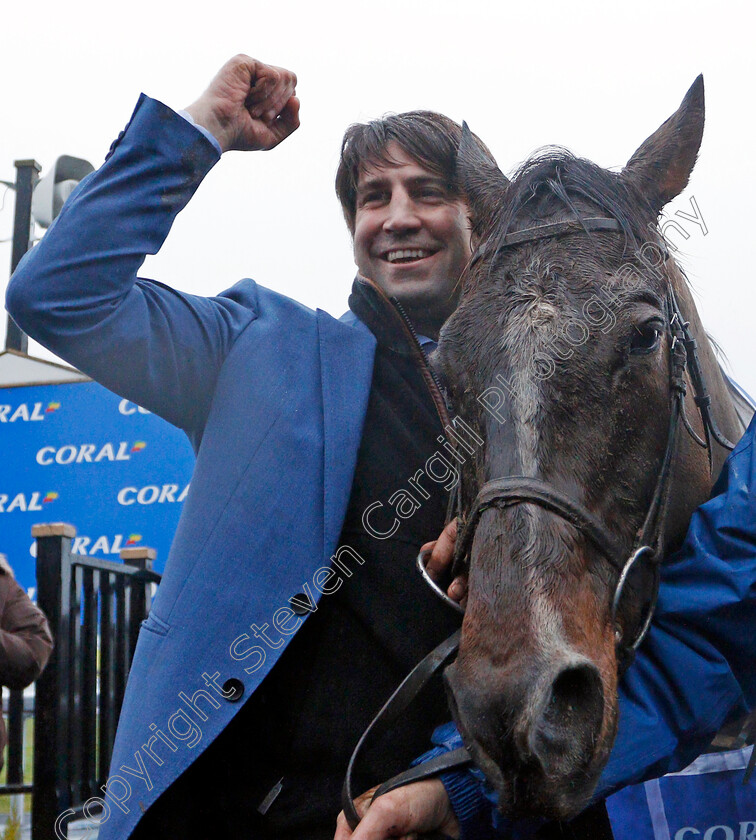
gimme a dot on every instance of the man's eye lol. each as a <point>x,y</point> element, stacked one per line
<point>645,338</point>
<point>374,197</point>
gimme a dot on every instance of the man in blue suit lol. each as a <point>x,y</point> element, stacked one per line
<point>308,433</point>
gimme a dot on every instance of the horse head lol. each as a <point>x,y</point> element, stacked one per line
<point>563,356</point>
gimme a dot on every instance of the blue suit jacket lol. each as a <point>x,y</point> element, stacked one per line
<point>273,397</point>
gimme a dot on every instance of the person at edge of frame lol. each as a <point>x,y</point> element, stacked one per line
<point>25,639</point>
<point>252,529</point>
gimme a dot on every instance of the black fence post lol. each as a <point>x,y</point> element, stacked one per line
<point>140,594</point>
<point>15,774</point>
<point>52,792</point>
<point>95,608</point>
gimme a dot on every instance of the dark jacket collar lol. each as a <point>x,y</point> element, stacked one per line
<point>376,310</point>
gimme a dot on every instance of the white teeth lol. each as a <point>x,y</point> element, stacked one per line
<point>407,254</point>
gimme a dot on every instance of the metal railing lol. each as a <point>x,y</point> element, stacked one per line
<point>95,608</point>
<point>17,712</point>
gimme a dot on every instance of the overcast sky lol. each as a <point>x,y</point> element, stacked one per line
<point>596,77</point>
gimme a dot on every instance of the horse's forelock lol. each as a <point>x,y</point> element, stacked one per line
<point>554,179</point>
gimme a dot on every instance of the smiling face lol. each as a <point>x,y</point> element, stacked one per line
<point>411,237</point>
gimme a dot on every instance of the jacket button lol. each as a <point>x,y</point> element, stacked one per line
<point>233,689</point>
<point>298,602</point>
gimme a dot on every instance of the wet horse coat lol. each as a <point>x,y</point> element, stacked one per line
<point>559,357</point>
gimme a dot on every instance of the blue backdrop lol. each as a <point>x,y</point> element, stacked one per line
<point>78,453</point>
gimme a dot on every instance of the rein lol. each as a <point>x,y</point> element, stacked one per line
<point>514,490</point>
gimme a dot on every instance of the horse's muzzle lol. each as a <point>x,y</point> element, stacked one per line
<point>537,740</point>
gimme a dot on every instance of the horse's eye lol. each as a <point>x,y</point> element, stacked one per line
<point>645,338</point>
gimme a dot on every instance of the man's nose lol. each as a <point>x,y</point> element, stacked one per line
<point>402,215</point>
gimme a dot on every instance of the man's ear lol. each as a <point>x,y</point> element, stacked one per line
<point>661,167</point>
<point>482,180</point>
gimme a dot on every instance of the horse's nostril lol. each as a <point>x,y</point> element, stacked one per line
<point>565,734</point>
<point>573,695</point>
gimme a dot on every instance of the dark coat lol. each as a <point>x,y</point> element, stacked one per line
<point>25,641</point>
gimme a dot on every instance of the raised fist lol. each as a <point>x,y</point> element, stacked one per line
<point>248,105</point>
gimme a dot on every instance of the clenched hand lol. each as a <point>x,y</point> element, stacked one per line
<point>248,105</point>
<point>419,808</point>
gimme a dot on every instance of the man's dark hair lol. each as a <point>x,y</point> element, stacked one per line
<point>429,138</point>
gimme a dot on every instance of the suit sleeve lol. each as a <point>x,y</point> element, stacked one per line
<point>25,639</point>
<point>697,666</point>
<point>694,669</point>
<point>78,294</point>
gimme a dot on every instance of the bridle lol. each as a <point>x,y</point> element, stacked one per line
<point>515,490</point>
<point>649,543</point>
<point>520,489</point>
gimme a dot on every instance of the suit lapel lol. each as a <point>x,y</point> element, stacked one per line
<point>346,366</point>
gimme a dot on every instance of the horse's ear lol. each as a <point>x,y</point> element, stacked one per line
<point>482,180</point>
<point>661,167</point>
